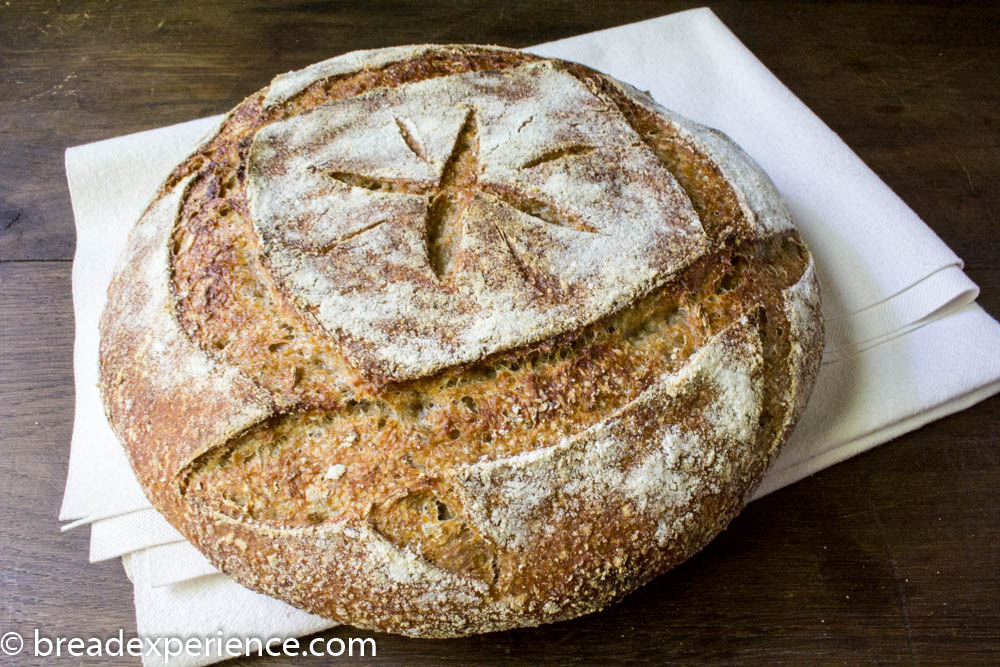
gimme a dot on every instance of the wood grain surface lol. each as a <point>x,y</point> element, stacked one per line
<point>892,557</point>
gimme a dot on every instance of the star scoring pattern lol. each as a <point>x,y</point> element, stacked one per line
<point>450,197</point>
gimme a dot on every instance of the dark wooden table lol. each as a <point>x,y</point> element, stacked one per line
<point>892,557</point>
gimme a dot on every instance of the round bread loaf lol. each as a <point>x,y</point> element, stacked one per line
<point>439,340</point>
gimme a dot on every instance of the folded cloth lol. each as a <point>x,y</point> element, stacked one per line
<point>176,562</point>
<point>894,296</point>
<point>118,535</point>
<point>221,609</point>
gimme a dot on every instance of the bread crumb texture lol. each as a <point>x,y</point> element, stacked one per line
<point>439,340</point>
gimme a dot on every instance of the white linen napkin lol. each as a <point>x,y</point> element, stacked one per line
<point>895,299</point>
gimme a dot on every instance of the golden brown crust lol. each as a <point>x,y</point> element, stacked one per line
<point>517,478</point>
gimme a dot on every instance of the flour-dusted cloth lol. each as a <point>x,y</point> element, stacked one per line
<point>903,344</point>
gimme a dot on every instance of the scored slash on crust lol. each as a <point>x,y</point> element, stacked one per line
<point>455,190</point>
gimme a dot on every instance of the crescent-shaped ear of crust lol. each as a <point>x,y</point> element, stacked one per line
<point>801,305</point>
<point>167,400</point>
<point>765,213</point>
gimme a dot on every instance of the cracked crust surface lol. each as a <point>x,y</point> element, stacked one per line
<point>439,340</point>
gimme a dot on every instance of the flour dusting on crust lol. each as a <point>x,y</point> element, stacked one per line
<point>357,179</point>
<point>175,377</point>
<point>663,472</point>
